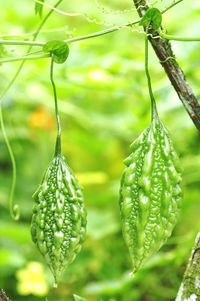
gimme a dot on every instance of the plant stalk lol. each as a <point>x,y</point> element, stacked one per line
<point>58,139</point>
<point>154,113</point>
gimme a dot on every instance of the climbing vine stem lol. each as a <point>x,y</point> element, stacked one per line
<point>14,208</point>
<point>178,39</point>
<point>21,43</point>
<point>87,36</point>
<point>24,58</point>
<point>58,141</point>
<point>153,103</point>
<point>170,6</point>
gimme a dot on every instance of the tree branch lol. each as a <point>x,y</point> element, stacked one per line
<point>190,287</point>
<point>163,50</point>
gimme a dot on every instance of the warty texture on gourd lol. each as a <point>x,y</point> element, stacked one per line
<point>59,218</point>
<point>150,193</point>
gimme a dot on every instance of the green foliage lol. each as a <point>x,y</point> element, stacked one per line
<point>152,17</point>
<point>58,49</point>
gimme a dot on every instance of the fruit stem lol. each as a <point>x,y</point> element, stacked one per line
<point>154,113</point>
<point>58,139</point>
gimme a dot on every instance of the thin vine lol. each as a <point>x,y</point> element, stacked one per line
<point>154,113</point>
<point>178,39</point>
<point>30,34</point>
<point>84,37</point>
<point>14,208</point>
<point>58,140</point>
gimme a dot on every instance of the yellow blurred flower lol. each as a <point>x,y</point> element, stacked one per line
<point>32,280</point>
<point>41,119</point>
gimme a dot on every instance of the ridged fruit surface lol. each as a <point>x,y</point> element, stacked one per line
<point>150,193</point>
<point>59,218</point>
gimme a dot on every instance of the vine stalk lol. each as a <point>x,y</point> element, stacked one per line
<point>22,43</point>
<point>25,58</point>
<point>58,140</point>
<point>154,113</point>
<point>178,39</point>
<point>83,37</point>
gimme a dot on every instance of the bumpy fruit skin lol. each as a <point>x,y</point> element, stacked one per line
<point>150,193</point>
<point>59,218</point>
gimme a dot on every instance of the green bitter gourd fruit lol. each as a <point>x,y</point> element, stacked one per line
<point>150,192</point>
<point>59,216</point>
<point>58,224</point>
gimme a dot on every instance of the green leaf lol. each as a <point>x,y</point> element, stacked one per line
<point>58,49</point>
<point>78,298</point>
<point>152,17</point>
<point>39,8</point>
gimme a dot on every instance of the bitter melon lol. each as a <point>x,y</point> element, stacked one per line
<point>59,218</point>
<point>150,193</point>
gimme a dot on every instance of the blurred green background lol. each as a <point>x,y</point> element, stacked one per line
<point>104,105</point>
